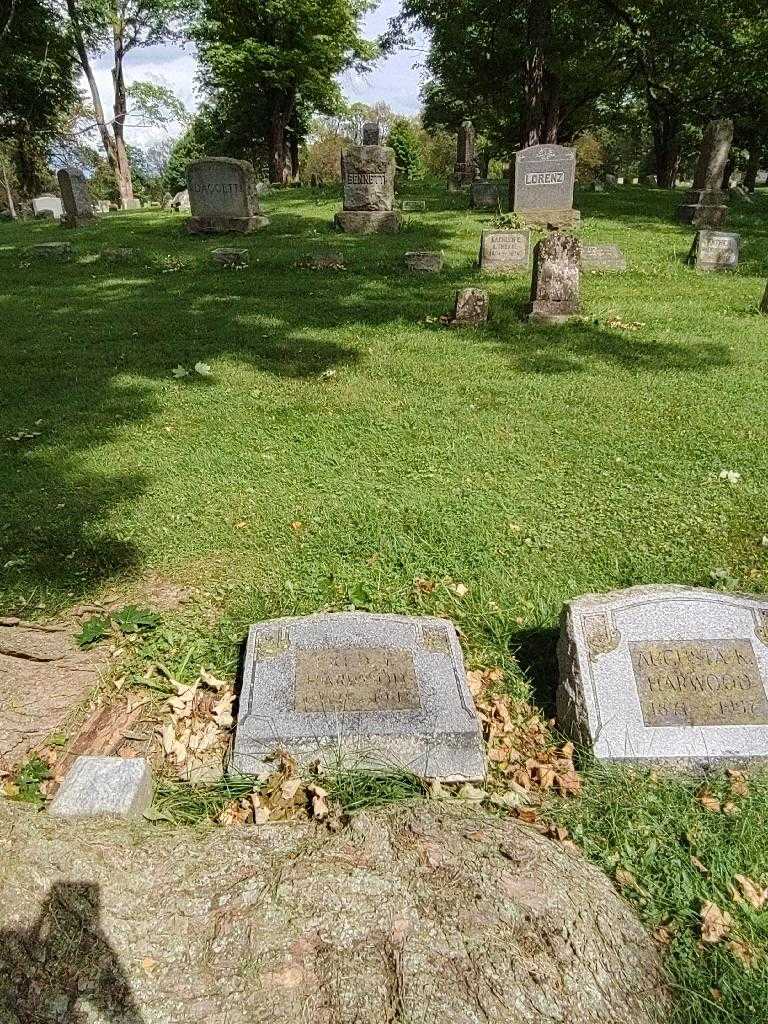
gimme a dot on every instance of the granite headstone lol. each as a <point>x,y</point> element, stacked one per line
<point>222,196</point>
<point>465,168</point>
<point>470,308</point>
<point>665,673</point>
<point>367,689</point>
<point>78,205</point>
<point>715,250</point>
<point>504,251</point>
<point>47,206</point>
<point>543,185</point>
<point>485,195</point>
<point>372,133</point>
<point>119,787</point>
<point>368,175</point>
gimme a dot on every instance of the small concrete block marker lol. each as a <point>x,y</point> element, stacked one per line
<point>665,673</point>
<point>424,262</point>
<point>556,280</point>
<point>503,252</point>
<point>118,787</point>
<point>714,250</point>
<point>369,690</point>
<point>51,251</point>
<point>602,257</point>
<point>233,258</point>
<point>470,309</point>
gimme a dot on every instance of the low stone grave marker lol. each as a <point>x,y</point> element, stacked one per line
<point>544,179</point>
<point>103,206</point>
<point>236,259</point>
<point>505,251</point>
<point>555,286</point>
<point>48,206</point>
<point>51,251</point>
<point>222,197</point>
<point>715,250</point>
<point>371,133</point>
<point>424,262</point>
<point>470,309</point>
<point>330,260</point>
<point>602,257</point>
<point>665,673</point>
<point>180,202</point>
<point>120,254</point>
<point>413,205</point>
<point>118,787</point>
<point>373,690</point>
<point>485,195</point>
<point>78,205</point>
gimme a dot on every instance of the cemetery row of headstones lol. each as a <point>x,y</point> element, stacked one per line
<point>651,675</point>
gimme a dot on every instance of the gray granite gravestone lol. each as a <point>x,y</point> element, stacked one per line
<point>470,308</point>
<point>424,262</point>
<point>665,674</point>
<point>180,202</point>
<point>118,787</point>
<point>706,204</point>
<point>50,206</point>
<point>78,205</point>
<point>543,185</point>
<point>132,204</point>
<point>371,133</point>
<point>373,690</point>
<point>715,250</point>
<point>368,174</point>
<point>465,168</point>
<point>504,251</point>
<point>485,195</point>
<point>602,257</point>
<point>555,285</point>
<point>222,197</point>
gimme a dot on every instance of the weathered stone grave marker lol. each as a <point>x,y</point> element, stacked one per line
<point>230,258</point>
<point>543,189</point>
<point>413,205</point>
<point>665,673</point>
<point>78,205</point>
<point>465,168</point>
<point>376,690</point>
<point>470,308</point>
<point>485,195</point>
<point>113,786</point>
<point>706,204</point>
<point>51,251</point>
<point>368,174</point>
<point>424,262</point>
<point>602,257</point>
<point>48,206</point>
<point>715,250</point>
<point>504,251</point>
<point>555,285</point>
<point>371,133</point>
<point>222,197</point>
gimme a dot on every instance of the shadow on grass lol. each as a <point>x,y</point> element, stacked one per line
<point>77,337</point>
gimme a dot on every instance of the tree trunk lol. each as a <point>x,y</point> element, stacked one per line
<point>540,116</point>
<point>293,146</point>
<point>98,110</point>
<point>277,146</point>
<point>122,164</point>
<point>753,166</point>
<point>666,144</point>
<point>8,193</point>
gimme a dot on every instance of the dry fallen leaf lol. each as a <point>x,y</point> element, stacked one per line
<point>148,964</point>
<point>715,923</point>
<point>753,893</point>
<point>709,802</point>
<point>738,782</point>
<point>743,952</point>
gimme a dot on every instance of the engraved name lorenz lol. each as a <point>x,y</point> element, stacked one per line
<point>356,679</point>
<point>702,682</point>
<point>545,178</point>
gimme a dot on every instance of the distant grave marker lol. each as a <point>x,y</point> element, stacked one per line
<point>465,168</point>
<point>544,179</point>
<point>470,308</point>
<point>706,204</point>
<point>715,250</point>
<point>372,133</point>
<point>374,690</point>
<point>665,674</point>
<point>485,195</point>
<point>505,251</point>
<point>602,257</point>
<point>222,196</point>
<point>78,205</point>
<point>424,262</point>
<point>413,205</point>
<point>48,206</point>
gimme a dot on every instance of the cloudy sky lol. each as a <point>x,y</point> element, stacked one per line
<point>396,80</point>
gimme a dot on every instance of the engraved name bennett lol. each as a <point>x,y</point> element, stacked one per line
<point>362,178</point>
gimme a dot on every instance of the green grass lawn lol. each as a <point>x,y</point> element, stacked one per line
<point>530,464</point>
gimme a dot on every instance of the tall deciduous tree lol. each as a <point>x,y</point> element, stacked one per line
<point>118,26</point>
<point>266,63</point>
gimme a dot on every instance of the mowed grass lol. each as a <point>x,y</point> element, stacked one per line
<point>348,449</point>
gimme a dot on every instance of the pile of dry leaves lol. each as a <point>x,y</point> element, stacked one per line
<point>196,733</point>
<point>282,795</point>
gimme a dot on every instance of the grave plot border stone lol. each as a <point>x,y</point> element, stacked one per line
<point>491,262</point>
<point>374,690</point>
<point>706,241</point>
<point>638,665</point>
<point>104,786</point>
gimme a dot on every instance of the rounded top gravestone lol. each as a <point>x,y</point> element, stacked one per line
<point>544,179</point>
<point>223,196</point>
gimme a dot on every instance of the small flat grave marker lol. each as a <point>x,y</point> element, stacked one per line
<point>424,262</point>
<point>118,787</point>
<point>666,674</point>
<point>51,251</point>
<point>376,690</point>
<point>602,257</point>
<point>715,250</point>
<point>231,258</point>
<point>505,251</point>
<point>413,205</point>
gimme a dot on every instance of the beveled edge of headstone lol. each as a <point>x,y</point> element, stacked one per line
<point>101,786</point>
<point>576,712</point>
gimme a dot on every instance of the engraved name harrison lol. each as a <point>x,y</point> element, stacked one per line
<point>356,679</point>
<point>702,682</point>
